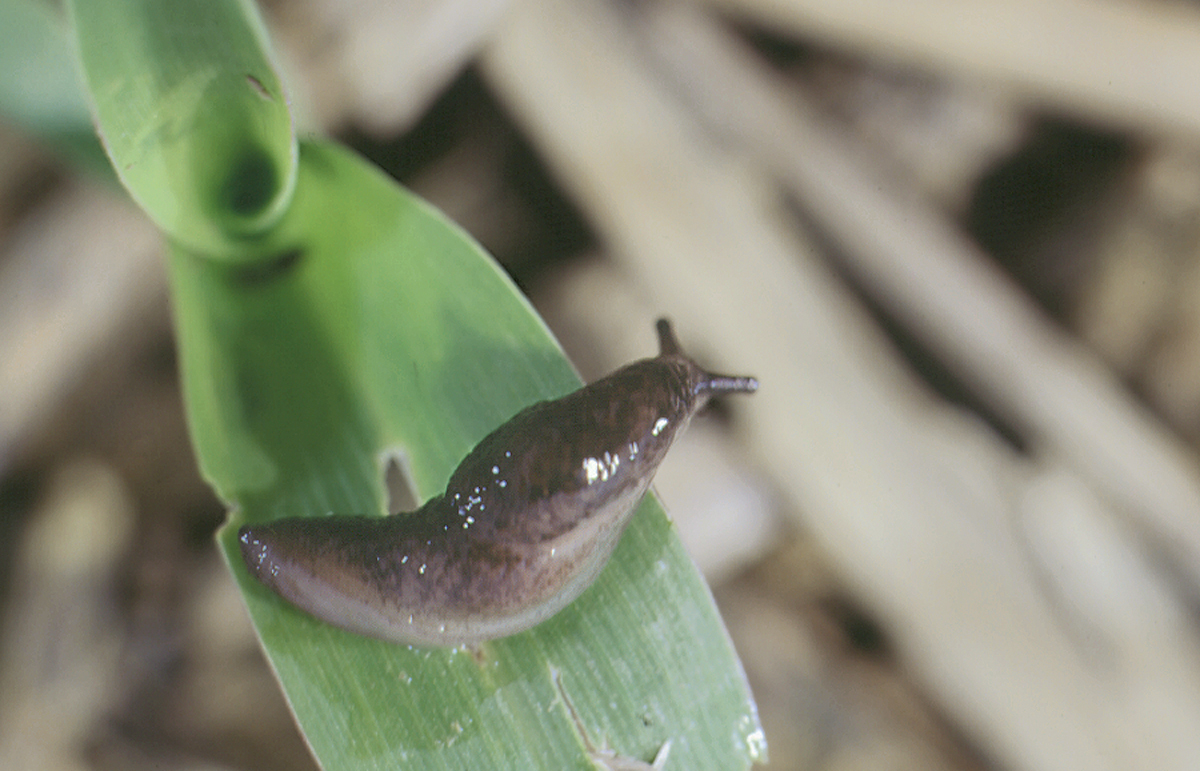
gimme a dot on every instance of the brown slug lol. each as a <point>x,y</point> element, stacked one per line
<point>527,522</point>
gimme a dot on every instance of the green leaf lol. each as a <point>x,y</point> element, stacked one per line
<point>347,323</point>
<point>379,327</point>
<point>192,114</point>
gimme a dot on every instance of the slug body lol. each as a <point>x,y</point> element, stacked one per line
<point>528,520</point>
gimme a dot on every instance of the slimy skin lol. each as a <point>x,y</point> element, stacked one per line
<point>528,520</point>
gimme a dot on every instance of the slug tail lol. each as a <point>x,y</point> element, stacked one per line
<point>314,564</point>
<point>255,552</point>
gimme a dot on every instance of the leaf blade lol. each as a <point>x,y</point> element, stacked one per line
<point>391,330</point>
<point>192,114</point>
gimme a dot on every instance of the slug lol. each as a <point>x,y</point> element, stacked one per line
<point>528,520</point>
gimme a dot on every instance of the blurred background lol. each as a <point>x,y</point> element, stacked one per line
<point>958,242</point>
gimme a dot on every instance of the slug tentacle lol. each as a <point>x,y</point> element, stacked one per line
<point>704,383</point>
<point>668,344</point>
<point>727,384</point>
<point>527,521</point>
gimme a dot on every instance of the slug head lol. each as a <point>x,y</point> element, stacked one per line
<point>702,384</point>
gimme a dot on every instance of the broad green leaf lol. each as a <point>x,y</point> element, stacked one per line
<point>379,327</point>
<point>348,323</point>
<point>192,114</point>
